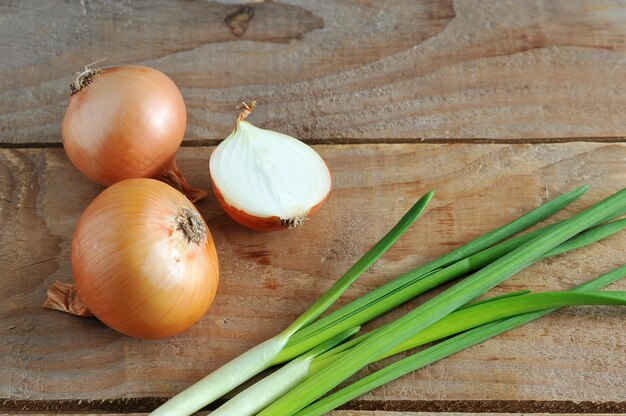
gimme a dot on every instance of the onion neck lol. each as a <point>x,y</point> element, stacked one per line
<point>190,224</point>
<point>246,110</point>
<point>84,78</point>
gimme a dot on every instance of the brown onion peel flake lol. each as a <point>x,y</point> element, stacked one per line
<point>64,297</point>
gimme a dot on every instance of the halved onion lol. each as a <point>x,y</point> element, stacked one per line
<point>267,180</point>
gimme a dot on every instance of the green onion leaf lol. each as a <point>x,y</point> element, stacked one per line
<point>442,350</point>
<point>415,282</point>
<point>432,311</point>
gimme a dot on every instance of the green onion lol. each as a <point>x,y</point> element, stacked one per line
<point>435,309</point>
<point>442,350</point>
<point>266,390</point>
<point>304,334</point>
<point>261,394</point>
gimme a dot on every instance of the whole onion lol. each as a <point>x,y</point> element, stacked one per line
<point>143,259</point>
<point>126,122</point>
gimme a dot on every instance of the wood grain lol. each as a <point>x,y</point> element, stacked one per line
<point>269,278</point>
<point>335,71</point>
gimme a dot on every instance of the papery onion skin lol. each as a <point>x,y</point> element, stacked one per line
<point>127,122</point>
<point>135,267</point>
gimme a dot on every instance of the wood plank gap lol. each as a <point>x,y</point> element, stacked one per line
<point>487,406</point>
<point>400,140</point>
<point>147,404</point>
<point>358,141</point>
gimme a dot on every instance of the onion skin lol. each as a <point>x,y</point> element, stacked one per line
<point>133,265</point>
<point>257,223</point>
<point>127,122</point>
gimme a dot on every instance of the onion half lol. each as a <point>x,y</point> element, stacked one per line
<point>267,180</point>
<point>126,122</point>
<point>143,259</point>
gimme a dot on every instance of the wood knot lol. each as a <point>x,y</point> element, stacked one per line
<point>238,22</point>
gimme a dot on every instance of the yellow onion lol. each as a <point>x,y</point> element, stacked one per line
<point>267,180</point>
<point>143,259</point>
<point>126,122</point>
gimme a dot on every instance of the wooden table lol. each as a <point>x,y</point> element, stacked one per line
<point>498,105</point>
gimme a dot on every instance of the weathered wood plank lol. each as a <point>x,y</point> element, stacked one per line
<point>335,71</point>
<point>268,278</point>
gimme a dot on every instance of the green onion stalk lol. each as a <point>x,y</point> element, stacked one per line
<point>254,399</point>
